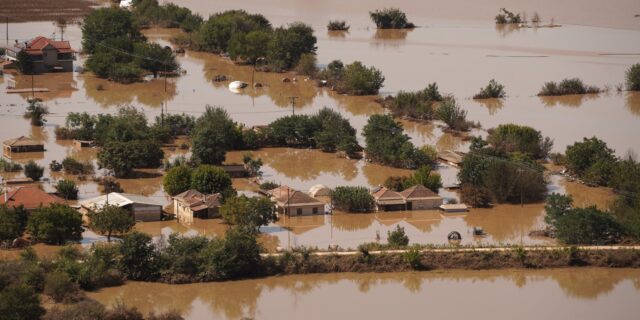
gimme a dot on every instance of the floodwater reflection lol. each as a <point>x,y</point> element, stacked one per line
<point>611,293</point>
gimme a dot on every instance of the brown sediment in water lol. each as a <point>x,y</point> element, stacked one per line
<point>590,293</point>
<point>44,10</point>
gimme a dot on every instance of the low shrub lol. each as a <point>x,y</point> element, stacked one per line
<point>61,288</point>
<point>397,237</point>
<point>507,17</point>
<point>492,90</point>
<point>633,77</point>
<point>33,170</point>
<point>567,87</point>
<point>390,18</point>
<point>337,25</point>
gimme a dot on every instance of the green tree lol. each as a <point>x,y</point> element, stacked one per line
<point>426,177</point>
<point>352,199</point>
<point>357,79</point>
<point>633,77</point>
<point>33,170</point>
<point>388,144</point>
<point>397,237</point>
<point>139,258</point>
<point>216,33</point>
<point>213,135</point>
<point>307,65</point>
<point>514,138</point>
<point>287,45</point>
<point>105,23</point>
<point>238,256</point>
<point>19,302</point>
<point>111,220</point>
<point>177,180</point>
<point>13,222</point>
<point>556,206</point>
<point>67,189</point>
<point>249,47</point>
<point>24,62</point>
<point>56,224</point>
<point>452,115</point>
<point>248,213</point>
<point>390,18</point>
<point>591,160</point>
<point>123,157</point>
<point>209,179</point>
<point>587,226</point>
<point>60,287</point>
<point>36,112</point>
<point>154,58</point>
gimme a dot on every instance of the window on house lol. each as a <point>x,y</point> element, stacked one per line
<point>299,211</point>
<point>315,210</point>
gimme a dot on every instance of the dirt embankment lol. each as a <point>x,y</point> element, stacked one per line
<point>45,10</point>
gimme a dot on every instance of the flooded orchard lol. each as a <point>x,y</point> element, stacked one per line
<point>564,293</point>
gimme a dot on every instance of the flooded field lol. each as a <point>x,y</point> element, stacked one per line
<point>459,49</point>
<point>504,294</point>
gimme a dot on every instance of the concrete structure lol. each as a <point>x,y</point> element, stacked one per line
<point>388,200</point>
<point>21,144</point>
<point>193,203</point>
<point>142,208</point>
<point>235,170</point>
<point>419,197</point>
<point>319,190</point>
<point>30,198</point>
<point>47,55</point>
<point>293,202</point>
<point>454,208</point>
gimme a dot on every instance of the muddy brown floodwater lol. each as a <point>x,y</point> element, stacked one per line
<point>504,294</point>
<point>457,45</point>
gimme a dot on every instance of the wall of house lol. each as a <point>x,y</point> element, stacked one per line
<point>183,212</point>
<point>144,212</point>
<point>425,204</point>
<point>305,210</point>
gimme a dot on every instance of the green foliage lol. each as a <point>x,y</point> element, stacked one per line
<point>24,62</point>
<point>60,288</point>
<point>9,166</point>
<point>249,47</point>
<point>591,160</point>
<point>413,257</point>
<point>452,115</point>
<point>268,185</point>
<point>111,220</point>
<point>33,170</point>
<point>492,90</point>
<point>556,206</point>
<point>307,65</point>
<point>209,179</point>
<point>567,87</point>
<point>507,17</point>
<point>417,105</point>
<point>178,124</point>
<point>357,79</point>
<point>36,112</point>
<point>248,213</point>
<point>352,199</point>
<point>337,25</point>
<point>106,23</point>
<point>288,44</point>
<point>19,302</point>
<point>238,256</point>
<point>154,58</point>
<point>216,33</point>
<point>13,222</point>
<point>213,135</point>
<point>388,144</point>
<point>83,310</point>
<point>139,259</point>
<point>73,166</point>
<point>509,138</point>
<point>67,189</point>
<point>56,224</point>
<point>177,180</point>
<point>426,177</point>
<point>123,157</point>
<point>390,18</point>
<point>149,12</point>
<point>252,165</point>
<point>397,237</point>
<point>633,77</point>
<point>587,226</point>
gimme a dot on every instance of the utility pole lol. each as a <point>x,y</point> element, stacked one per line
<point>7,29</point>
<point>293,104</point>
<point>33,90</point>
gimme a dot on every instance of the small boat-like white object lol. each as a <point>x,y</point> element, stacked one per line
<point>237,85</point>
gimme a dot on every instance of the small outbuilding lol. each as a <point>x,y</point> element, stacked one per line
<point>21,144</point>
<point>235,170</point>
<point>319,190</point>
<point>142,208</point>
<point>193,203</point>
<point>388,200</point>
<point>293,202</point>
<point>454,208</point>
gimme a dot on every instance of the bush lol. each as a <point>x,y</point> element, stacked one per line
<point>509,138</point>
<point>67,189</point>
<point>352,199</point>
<point>452,115</point>
<point>397,237</point>
<point>307,65</point>
<point>111,220</point>
<point>633,77</point>
<point>359,80</point>
<point>83,310</point>
<point>507,17</point>
<point>418,105</point>
<point>390,18</point>
<point>209,179</point>
<point>55,166</point>
<point>412,257</point>
<point>238,256</point>
<point>123,157</point>
<point>139,259</point>
<point>492,90</point>
<point>337,25</point>
<point>73,166</point>
<point>125,73</point>
<point>248,213</point>
<point>33,171</point>
<point>60,288</point>
<point>177,180</point>
<point>9,166</point>
<point>388,144</point>
<point>587,226</point>
<point>567,87</point>
<point>178,124</point>
<point>56,224</point>
<point>12,222</point>
<point>19,302</point>
<point>591,160</point>
<point>269,185</point>
<point>213,135</point>
<point>36,112</point>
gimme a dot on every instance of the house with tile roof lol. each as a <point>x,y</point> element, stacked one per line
<point>21,144</point>
<point>293,202</point>
<point>420,197</point>
<point>47,55</point>
<point>388,200</point>
<point>193,203</point>
<point>29,197</point>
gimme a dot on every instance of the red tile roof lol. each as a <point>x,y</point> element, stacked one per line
<point>29,197</point>
<point>36,45</point>
<point>418,191</point>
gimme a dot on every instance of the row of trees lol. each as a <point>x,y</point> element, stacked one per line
<point>148,13</point>
<point>56,224</point>
<point>118,50</point>
<point>207,179</point>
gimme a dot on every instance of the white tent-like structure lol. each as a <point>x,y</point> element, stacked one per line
<point>319,190</point>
